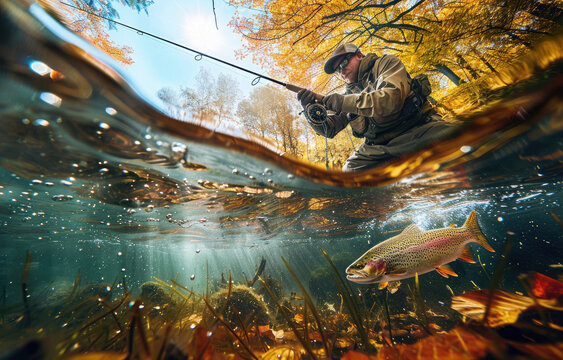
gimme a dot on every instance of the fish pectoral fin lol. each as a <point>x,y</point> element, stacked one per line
<point>446,270</point>
<point>442,273</point>
<point>382,285</point>
<point>467,255</point>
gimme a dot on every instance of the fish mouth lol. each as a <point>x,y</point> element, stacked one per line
<point>360,276</point>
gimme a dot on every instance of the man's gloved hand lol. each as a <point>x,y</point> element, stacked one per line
<point>333,102</point>
<point>306,97</point>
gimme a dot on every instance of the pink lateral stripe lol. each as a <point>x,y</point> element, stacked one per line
<point>438,242</point>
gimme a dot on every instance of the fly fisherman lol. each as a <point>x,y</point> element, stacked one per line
<point>381,103</point>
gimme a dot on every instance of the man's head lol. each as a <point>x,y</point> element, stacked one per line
<point>345,60</point>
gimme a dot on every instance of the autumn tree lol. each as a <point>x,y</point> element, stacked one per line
<point>271,113</point>
<point>459,39</point>
<point>211,100</point>
<point>86,18</point>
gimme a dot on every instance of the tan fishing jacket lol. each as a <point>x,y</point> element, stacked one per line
<point>378,96</point>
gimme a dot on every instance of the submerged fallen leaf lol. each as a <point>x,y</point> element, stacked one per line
<point>343,343</point>
<point>393,286</point>
<point>540,351</point>
<point>266,332</point>
<point>459,343</point>
<point>282,353</point>
<point>505,307</point>
<point>356,355</point>
<point>98,355</point>
<point>545,287</point>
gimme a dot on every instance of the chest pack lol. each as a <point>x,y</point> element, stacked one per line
<point>411,114</point>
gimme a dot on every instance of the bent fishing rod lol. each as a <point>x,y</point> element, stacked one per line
<point>199,54</point>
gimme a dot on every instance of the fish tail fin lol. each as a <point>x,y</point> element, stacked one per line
<point>472,225</point>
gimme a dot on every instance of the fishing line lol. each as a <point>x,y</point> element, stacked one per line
<point>317,111</point>
<point>199,54</point>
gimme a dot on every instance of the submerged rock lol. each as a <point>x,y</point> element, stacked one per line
<point>243,304</point>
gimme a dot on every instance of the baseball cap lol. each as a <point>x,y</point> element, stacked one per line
<point>342,49</point>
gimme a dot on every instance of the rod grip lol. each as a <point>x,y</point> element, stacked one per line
<point>297,89</point>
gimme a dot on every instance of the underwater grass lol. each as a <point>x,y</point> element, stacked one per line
<point>388,318</point>
<point>76,284</point>
<point>304,342</point>
<point>137,338</point>
<point>525,283</point>
<point>420,306</point>
<point>27,312</point>
<point>311,304</point>
<point>498,273</point>
<point>350,301</point>
<point>218,317</point>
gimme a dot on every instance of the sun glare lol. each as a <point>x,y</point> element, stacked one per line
<point>201,34</point>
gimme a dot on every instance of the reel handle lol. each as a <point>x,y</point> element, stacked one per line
<point>297,89</point>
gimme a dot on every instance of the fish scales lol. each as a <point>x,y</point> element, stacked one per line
<point>414,251</point>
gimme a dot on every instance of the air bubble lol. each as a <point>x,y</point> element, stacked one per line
<point>111,111</point>
<point>40,122</point>
<point>51,99</point>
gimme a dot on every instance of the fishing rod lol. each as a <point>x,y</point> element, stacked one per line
<point>314,113</point>
<point>291,87</point>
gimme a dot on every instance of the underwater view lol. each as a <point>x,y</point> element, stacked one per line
<point>129,233</point>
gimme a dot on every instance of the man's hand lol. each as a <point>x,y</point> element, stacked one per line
<point>333,102</point>
<point>306,97</point>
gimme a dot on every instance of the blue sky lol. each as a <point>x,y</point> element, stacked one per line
<point>190,23</point>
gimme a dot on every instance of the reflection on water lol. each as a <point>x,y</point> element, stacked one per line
<point>94,178</point>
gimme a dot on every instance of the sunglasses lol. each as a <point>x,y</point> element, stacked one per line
<point>344,62</point>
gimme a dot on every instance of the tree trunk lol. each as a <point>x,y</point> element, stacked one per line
<point>464,64</point>
<point>444,69</point>
<point>482,58</point>
<point>547,11</point>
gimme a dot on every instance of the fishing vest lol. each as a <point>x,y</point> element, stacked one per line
<point>413,113</point>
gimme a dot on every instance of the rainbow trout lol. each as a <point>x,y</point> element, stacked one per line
<point>416,251</point>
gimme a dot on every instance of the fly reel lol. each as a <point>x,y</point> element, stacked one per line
<point>316,113</point>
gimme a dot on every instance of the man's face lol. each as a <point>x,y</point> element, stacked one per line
<point>348,66</point>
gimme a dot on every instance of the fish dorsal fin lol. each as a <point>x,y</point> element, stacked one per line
<point>411,230</point>
<point>446,270</point>
<point>382,285</point>
<point>452,225</point>
<point>467,255</point>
